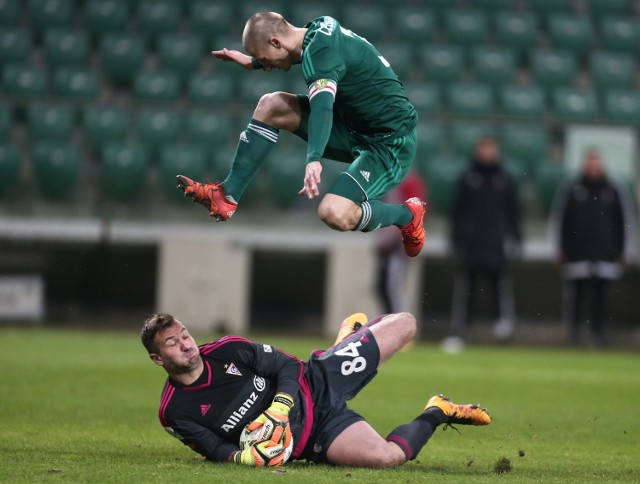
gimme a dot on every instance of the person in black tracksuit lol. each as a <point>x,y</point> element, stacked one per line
<point>592,225</point>
<point>486,214</point>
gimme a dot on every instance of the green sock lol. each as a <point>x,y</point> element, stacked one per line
<point>253,147</point>
<point>376,214</point>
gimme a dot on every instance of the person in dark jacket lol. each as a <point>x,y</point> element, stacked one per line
<point>486,214</point>
<point>592,226</point>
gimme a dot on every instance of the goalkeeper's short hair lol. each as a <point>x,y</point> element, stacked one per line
<point>150,328</point>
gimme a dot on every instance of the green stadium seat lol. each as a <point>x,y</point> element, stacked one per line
<point>494,65</point>
<point>6,121</point>
<point>470,99</point>
<point>528,143</point>
<point>158,127</point>
<point>368,22</point>
<point>207,18</point>
<point>546,8</point>
<point>124,169</point>
<point>604,7</point>
<point>208,130</point>
<point>285,174</point>
<point>466,27</point>
<point>572,104</point>
<point>414,24</point>
<point>443,175</point>
<point>425,97</point>
<point>612,69</point>
<point>431,143</point>
<point>15,45</point>
<point>522,101</point>
<point>518,169</point>
<point>76,83</point>
<point>24,80</point>
<point>156,86</point>
<point>50,122</point>
<point>9,165</point>
<point>441,63</point>
<point>180,53</point>
<point>102,16</point>
<point>185,160</point>
<point>104,125</point>
<point>57,166</point>
<point>158,16</point>
<point>571,32</point>
<point>9,12</point>
<point>122,55</point>
<point>65,47</point>
<point>48,14</point>
<point>620,33</point>
<point>399,55</point>
<point>205,88</point>
<point>465,134</point>
<point>303,13</point>
<point>549,176</point>
<point>254,87</point>
<point>493,5</point>
<point>622,106</point>
<point>518,30</point>
<point>553,67</point>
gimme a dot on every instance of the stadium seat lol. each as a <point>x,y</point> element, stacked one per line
<point>9,12</point>
<point>180,53</point>
<point>517,30</point>
<point>620,33</point>
<point>522,101</point>
<point>612,69</point>
<point>210,88</point>
<point>545,8</point>
<point>494,65</point>
<point>284,175</point>
<point>303,13</point>
<point>528,143</point>
<point>425,97</point>
<point>470,99</point>
<point>102,16</point>
<point>207,18</point>
<point>65,47</point>
<point>49,122</point>
<point>443,175</point>
<point>122,55</point>
<point>6,121</point>
<point>177,159</point>
<point>367,22</point>
<point>441,63</point>
<point>158,16</point>
<point>156,86</point>
<point>158,127</point>
<point>124,170</point>
<point>76,83</point>
<point>466,27</point>
<point>623,106</point>
<point>465,134</point>
<point>549,176</point>
<point>104,125</point>
<point>9,165</point>
<point>603,7</point>
<point>253,87</point>
<point>24,80</point>
<point>553,67</point>
<point>399,55</point>
<point>493,5</point>
<point>208,130</point>
<point>571,32</point>
<point>414,24</point>
<point>48,14</point>
<point>431,143</point>
<point>15,45</point>
<point>572,104</point>
<point>57,166</point>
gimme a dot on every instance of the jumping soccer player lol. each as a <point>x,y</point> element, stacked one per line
<point>215,390</point>
<point>355,111</point>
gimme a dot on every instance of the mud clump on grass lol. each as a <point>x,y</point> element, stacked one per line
<point>503,466</point>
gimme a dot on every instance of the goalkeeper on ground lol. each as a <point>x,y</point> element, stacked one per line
<point>213,391</point>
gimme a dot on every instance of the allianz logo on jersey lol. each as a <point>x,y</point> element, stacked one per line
<point>233,420</point>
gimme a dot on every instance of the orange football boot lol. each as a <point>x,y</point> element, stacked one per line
<point>413,234</point>
<point>210,195</point>
<point>459,414</point>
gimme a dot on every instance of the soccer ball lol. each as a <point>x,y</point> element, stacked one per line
<point>248,438</point>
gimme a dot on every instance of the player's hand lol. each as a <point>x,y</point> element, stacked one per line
<point>275,421</point>
<point>261,454</point>
<point>311,180</point>
<point>226,55</point>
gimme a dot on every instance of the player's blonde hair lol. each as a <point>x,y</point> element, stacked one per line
<point>261,27</point>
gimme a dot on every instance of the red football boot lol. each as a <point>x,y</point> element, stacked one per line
<point>413,234</point>
<point>210,195</point>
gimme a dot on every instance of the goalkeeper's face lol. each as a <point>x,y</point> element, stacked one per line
<point>177,351</point>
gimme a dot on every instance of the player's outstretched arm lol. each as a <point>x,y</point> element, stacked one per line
<point>226,55</point>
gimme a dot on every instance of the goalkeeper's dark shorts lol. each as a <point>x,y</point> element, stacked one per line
<point>336,376</point>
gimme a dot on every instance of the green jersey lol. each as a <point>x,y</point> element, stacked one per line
<point>369,98</point>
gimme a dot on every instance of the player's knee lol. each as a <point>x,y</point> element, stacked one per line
<point>409,325</point>
<point>389,457</point>
<point>336,217</point>
<point>272,107</point>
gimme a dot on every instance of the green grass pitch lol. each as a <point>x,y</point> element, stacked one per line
<point>82,407</point>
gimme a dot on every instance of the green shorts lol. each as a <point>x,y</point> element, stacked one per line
<point>375,167</point>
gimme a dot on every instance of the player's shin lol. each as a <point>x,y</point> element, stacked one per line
<point>413,436</point>
<point>377,214</point>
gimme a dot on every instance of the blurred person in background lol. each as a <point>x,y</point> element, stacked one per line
<point>392,273</point>
<point>486,216</point>
<point>592,228</point>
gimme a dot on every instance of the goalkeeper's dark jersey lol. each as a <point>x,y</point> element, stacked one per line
<point>369,98</point>
<point>239,381</point>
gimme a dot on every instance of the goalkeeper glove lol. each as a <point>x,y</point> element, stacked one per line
<point>260,454</point>
<point>275,421</point>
